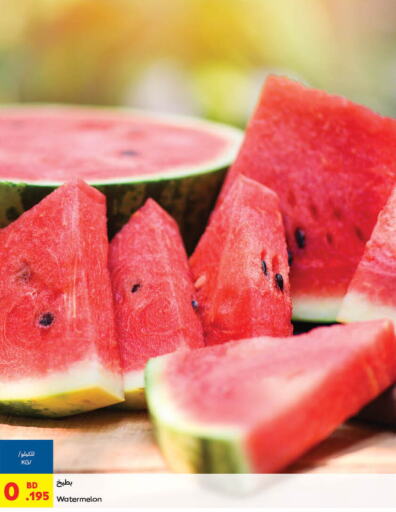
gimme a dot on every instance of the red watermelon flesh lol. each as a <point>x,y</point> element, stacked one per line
<point>372,291</point>
<point>99,145</point>
<point>256,405</point>
<point>57,334</point>
<point>154,296</point>
<point>333,164</point>
<point>240,267</point>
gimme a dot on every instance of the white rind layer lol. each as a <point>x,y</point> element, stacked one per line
<point>310,309</point>
<point>356,307</point>
<point>135,397</point>
<point>82,375</point>
<point>134,380</point>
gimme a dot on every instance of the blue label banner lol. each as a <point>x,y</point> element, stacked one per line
<point>26,456</point>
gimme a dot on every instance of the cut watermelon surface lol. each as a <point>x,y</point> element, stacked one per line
<point>240,267</point>
<point>129,155</point>
<point>256,405</point>
<point>154,296</point>
<point>58,352</point>
<point>332,164</point>
<point>372,291</point>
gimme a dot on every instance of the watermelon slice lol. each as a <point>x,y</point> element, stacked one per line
<point>256,405</point>
<point>58,352</point>
<point>155,306</point>
<point>333,165</point>
<point>128,155</point>
<point>240,267</point>
<point>372,291</point>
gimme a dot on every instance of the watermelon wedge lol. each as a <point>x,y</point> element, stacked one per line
<point>128,155</point>
<point>58,352</point>
<point>332,164</point>
<point>240,267</point>
<point>372,291</point>
<point>256,405</point>
<point>154,296</point>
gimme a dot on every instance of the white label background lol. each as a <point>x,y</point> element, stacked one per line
<point>231,492</point>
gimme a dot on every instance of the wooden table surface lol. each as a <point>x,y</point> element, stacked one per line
<point>117,441</point>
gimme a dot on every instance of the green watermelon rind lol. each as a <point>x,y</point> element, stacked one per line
<point>82,387</point>
<point>187,445</point>
<point>187,194</point>
<point>30,408</point>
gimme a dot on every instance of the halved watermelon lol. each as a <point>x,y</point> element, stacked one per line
<point>58,352</point>
<point>128,155</point>
<point>256,405</point>
<point>333,165</point>
<point>372,291</point>
<point>154,295</point>
<point>240,267</point>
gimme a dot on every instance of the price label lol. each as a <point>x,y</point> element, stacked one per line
<point>26,490</point>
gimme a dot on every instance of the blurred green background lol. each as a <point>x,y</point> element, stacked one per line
<point>201,57</point>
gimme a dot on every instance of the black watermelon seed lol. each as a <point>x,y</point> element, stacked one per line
<point>135,287</point>
<point>194,304</point>
<point>300,238</point>
<point>279,281</point>
<point>289,257</point>
<point>264,267</point>
<point>128,152</point>
<point>46,319</point>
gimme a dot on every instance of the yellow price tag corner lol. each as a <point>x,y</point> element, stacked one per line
<point>24,490</point>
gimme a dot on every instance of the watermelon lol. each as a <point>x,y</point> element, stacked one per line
<point>58,351</point>
<point>240,267</point>
<point>333,165</point>
<point>255,405</point>
<point>372,291</point>
<point>154,299</point>
<point>128,155</point>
